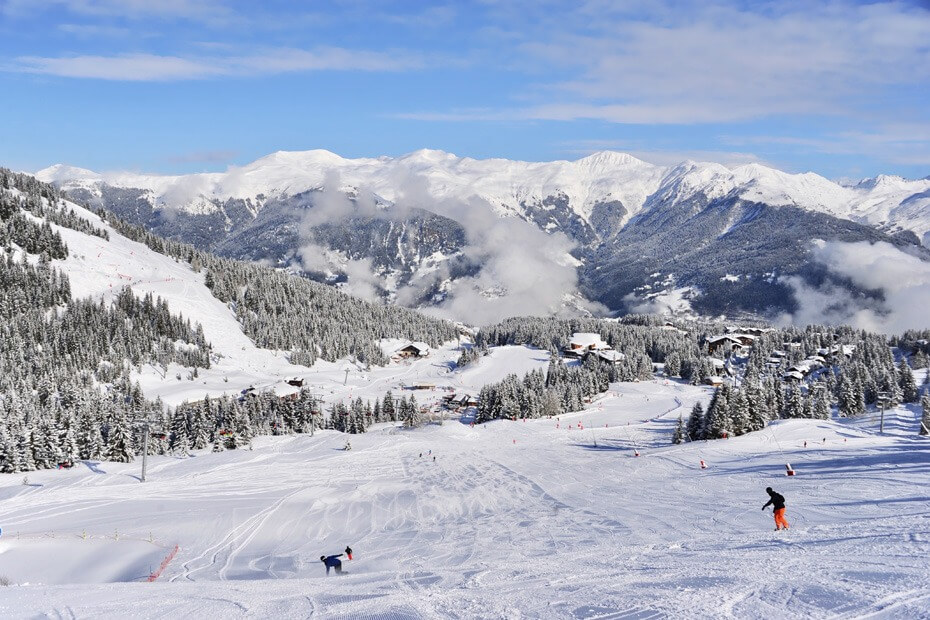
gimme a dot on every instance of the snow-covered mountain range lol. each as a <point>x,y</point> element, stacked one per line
<point>887,201</point>
<point>431,228</point>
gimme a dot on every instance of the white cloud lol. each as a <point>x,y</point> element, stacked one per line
<point>727,61</point>
<point>196,10</point>
<point>128,67</point>
<point>903,279</point>
<point>523,271</point>
<point>152,67</point>
<point>906,143</point>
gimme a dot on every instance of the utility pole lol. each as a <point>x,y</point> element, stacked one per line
<point>145,449</point>
<point>883,399</point>
<point>346,380</point>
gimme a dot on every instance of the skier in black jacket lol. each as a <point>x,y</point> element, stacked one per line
<point>332,561</point>
<point>777,502</point>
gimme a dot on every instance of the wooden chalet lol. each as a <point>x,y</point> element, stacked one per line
<point>581,343</point>
<point>412,350</point>
<point>728,343</point>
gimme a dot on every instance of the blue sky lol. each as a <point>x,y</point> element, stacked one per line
<point>839,88</point>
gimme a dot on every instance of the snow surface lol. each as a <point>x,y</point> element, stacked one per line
<point>885,201</point>
<point>100,268</point>
<point>513,519</point>
<point>546,518</point>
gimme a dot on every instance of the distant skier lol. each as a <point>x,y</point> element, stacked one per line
<point>778,507</point>
<point>332,561</point>
<point>348,552</point>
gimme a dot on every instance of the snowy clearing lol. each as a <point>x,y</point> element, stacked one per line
<point>512,519</point>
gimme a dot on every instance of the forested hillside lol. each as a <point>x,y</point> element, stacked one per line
<point>66,362</point>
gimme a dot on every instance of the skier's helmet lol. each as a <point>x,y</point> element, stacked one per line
<point>322,558</point>
<point>768,489</point>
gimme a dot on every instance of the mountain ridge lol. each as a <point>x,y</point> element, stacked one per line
<point>417,228</point>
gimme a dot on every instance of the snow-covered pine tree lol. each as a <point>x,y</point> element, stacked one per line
<point>120,446</point>
<point>412,413</point>
<point>387,407</point>
<point>696,422</point>
<point>851,399</point>
<point>179,436</point>
<point>820,409</point>
<point>794,403</point>
<point>907,383</point>
<point>740,418</point>
<point>679,435</point>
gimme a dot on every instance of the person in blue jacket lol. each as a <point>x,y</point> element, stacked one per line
<point>332,561</point>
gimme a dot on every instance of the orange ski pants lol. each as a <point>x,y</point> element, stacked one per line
<point>780,519</point>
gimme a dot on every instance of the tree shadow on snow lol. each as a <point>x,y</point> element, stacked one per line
<point>607,445</point>
<point>94,466</point>
<point>905,457</point>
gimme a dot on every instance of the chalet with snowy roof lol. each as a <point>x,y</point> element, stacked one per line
<point>755,331</point>
<point>792,376</point>
<point>413,349</point>
<point>801,367</point>
<point>720,367</point>
<point>294,381</point>
<point>609,356</point>
<point>581,343</point>
<point>726,343</point>
<point>421,386</point>
<point>460,401</point>
<point>713,381</point>
<point>285,391</point>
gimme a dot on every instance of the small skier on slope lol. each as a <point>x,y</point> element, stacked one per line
<point>348,552</point>
<point>777,501</point>
<point>332,561</point>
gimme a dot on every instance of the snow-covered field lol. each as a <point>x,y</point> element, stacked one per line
<point>512,519</point>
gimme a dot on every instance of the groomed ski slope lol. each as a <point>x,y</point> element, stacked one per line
<point>513,519</point>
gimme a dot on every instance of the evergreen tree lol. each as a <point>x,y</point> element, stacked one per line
<point>120,445</point>
<point>387,407</point>
<point>821,405</point>
<point>740,417</point>
<point>794,403</point>
<point>696,422</point>
<point>851,400</point>
<point>920,360</point>
<point>717,423</point>
<point>907,383</point>
<point>680,431</point>
<point>412,413</point>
